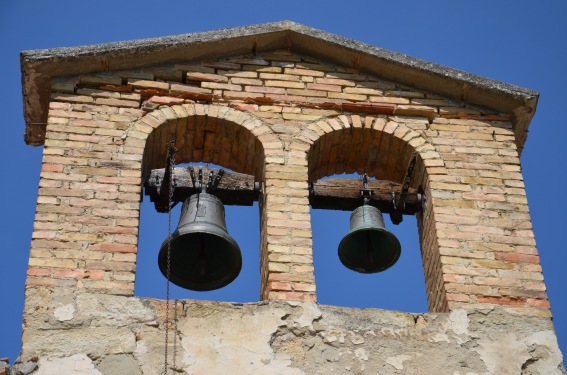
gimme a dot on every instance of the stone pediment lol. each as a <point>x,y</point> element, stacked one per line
<point>39,67</point>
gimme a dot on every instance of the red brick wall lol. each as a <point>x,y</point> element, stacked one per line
<point>288,120</point>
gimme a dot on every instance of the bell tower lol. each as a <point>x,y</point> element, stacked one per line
<point>280,106</point>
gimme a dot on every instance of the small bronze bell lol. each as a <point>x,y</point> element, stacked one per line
<point>368,247</point>
<point>203,256</point>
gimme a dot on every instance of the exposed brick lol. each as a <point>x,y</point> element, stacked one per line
<point>39,272</point>
<point>145,84</point>
<point>501,300</point>
<point>361,90</point>
<point>206,77</point>
<point>111,266</point>
<point>221,86</point>
<point>177,88</point>
<point>72,98</point>
<point>287,84</point>
<point>280,77</point>
<point>244,106</point>
<point>352,97</point>
<point>265,90</point>
<point>120,248</point>
<point>334,81</point>
<point>302,287</point>
<point>538,303</point>
<point>79,274</point>
<point>517,257</point>
<point>117,102</point>
<point>299,92</point>
<point>166,100</point>
<point>304,72</point>
<point>277,285</point>
<point>238,73</point>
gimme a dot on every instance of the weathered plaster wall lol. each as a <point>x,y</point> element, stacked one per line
<point>104,334</point>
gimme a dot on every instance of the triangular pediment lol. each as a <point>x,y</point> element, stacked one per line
<point>40,67</point>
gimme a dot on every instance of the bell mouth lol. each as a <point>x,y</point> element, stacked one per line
<point>369,250</point>
<point>369,247</point>
<point>203,256</point>
<point>201,260</point>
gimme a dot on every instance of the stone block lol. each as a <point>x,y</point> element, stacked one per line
<point>119,365</point>
<point>92,341</point>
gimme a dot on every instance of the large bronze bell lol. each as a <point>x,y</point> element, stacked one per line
<point>368,247</point>
<point>203,256</point>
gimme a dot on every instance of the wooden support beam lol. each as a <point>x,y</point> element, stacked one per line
<point>233,189</point>
<point>240,189</point>
<point>344,194</point>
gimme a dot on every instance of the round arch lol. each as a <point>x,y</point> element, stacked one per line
<point>202,133</point>
<point>382,149</point>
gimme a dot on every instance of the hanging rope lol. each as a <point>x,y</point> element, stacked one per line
<point>171,163</point>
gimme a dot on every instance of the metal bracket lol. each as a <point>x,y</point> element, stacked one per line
<point>163,190</point>
<point>193,179</point>
<point>399,198</point>
<point>365,192</point>
<point>212,183</point>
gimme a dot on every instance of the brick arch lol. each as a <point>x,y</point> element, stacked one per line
<point>203,133</point>
<point>381,148</point>
<point>356,144</point>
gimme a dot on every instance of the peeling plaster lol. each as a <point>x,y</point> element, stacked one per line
<point>504,354</point>
<point>77,364</point>
<point>544,344</point>
<point>356,338</point>
<point>280,338</point>
<point>311,312</point>
<point>228,345</point>
<point>459,322</point>
<point>64,313</point>
<point>397,361</point>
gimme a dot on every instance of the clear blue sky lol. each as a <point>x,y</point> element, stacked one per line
<point>517,42</point>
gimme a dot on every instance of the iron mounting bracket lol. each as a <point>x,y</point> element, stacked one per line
<point>399,198</point>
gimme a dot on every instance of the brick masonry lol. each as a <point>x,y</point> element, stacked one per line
<point>289,120</point>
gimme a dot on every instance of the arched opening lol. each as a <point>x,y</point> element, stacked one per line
<point>382,151</point>
<point>206,136</point>
<point>242,223</point>
<point>201,139</point>
<point>401,287</point>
